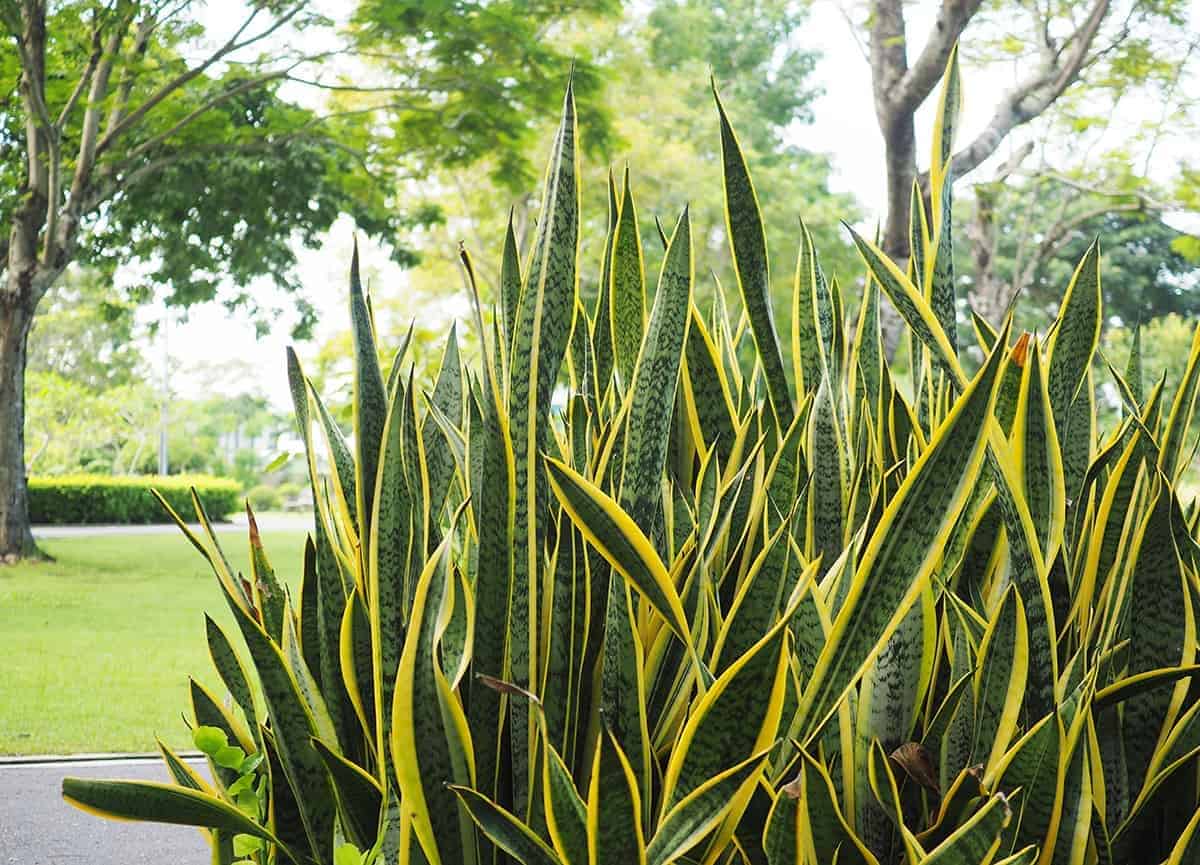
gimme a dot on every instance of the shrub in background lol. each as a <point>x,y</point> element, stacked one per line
<point>708,613</point>
<point>264,497</point>
<point>64,499</point>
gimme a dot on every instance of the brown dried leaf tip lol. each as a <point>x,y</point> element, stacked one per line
<point>915,760</point>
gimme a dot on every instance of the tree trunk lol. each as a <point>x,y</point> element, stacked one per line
<point>16,536</point>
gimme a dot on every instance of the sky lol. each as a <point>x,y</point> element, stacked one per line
<point>851,137</point>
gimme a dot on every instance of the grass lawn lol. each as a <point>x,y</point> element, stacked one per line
<point>96,647</point>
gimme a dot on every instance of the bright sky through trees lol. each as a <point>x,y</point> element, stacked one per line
<point>843,126</point>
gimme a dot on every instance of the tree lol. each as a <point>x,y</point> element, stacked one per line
<point>128,135</point>
<point>656,62</point>
<point>1109,47</point>
<point>84,332</point>
<point>1027,234</point>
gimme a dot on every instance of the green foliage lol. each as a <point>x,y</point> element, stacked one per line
<point>84,333</point>
<point>69,499</point>
<point>475,72</point>
<point>727,612</point>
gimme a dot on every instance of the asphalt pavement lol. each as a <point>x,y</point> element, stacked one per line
<point>38,828</point>
<point>266,523</point>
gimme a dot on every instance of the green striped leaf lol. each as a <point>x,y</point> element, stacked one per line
<point>162,803</point>
<point>978,840</point>
<point>1074,340</point>
<point>699,812</point>
<point>1163,633</point>
<point>748,245</point>
<point>610,530</point>
<point>510,282</point>
<point>370,398</point>
<point>231,670</point>
<point>430,739</point>
<point>360,798</point>
<point>293,727</point>
<point>614,808</point>
<point>653,383</point>
<point>506,831</point>
<point>904,549</point>
<point>544,322</point>
<point>602,328</point>
<point>999,687</point>
<point>737,716</point>
<point>627,293</point>
<point>566,813</point>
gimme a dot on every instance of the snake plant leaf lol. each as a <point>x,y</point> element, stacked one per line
<point>1183,409</point>
<point>910,303</point>
<point>1074,340</point>
<point>231,670</point>
<point>868,356</point>
<point>805,824</point>
<point>1074,811</point>
<point>938,267</point>
<point>826,449</point>
<point>614,808</point>
<point>493,509</point>
<point>999,686</point>
<point>886,791</point>
<point>739,715</point>
<point>1037,453</point>
<point>566,628</point>
<point>697,814</point>
<point>627,291</point>
<point>505,830</point>
<point>602,326</point>
<point>510,282</point>
<point>388,556</point>
<point>978,840</point>
<point>293,727</point>
<point>1131,686</point>
<point>162,803</point>
<point>611,531</point>
<point>905,547</point>
<point>707,395</point>
<point>653,381</point>
<point>430,739</point>
<point>183,774</point>
<point>748,246</point>
<point>1134,373</point>
<point>265,588</point>
<point>359,796</point>
<point>1165,632</point>
<point>544,322</point>
<point>369,400</point>
<point>566,813</point>
<point>623,684</point>
<point>891,694</point>
<point>810,302</point>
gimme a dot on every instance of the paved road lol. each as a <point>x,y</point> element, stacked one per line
<point>38,828</point>
<point>266,523</point>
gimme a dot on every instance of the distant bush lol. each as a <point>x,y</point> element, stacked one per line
<point>126,499</point>
<point>264,497</point>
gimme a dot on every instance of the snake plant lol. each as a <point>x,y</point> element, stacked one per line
<point>611,594</point>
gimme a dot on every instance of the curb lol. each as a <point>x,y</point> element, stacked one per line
<point>84,759</point>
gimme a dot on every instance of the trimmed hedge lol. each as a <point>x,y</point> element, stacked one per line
<point>118,499</point>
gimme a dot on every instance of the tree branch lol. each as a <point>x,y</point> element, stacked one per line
<point>234,43</point>
<point>919,81</point>
<point>1029,99</point>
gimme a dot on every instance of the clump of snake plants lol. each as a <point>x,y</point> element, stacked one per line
<point>613,596</point>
